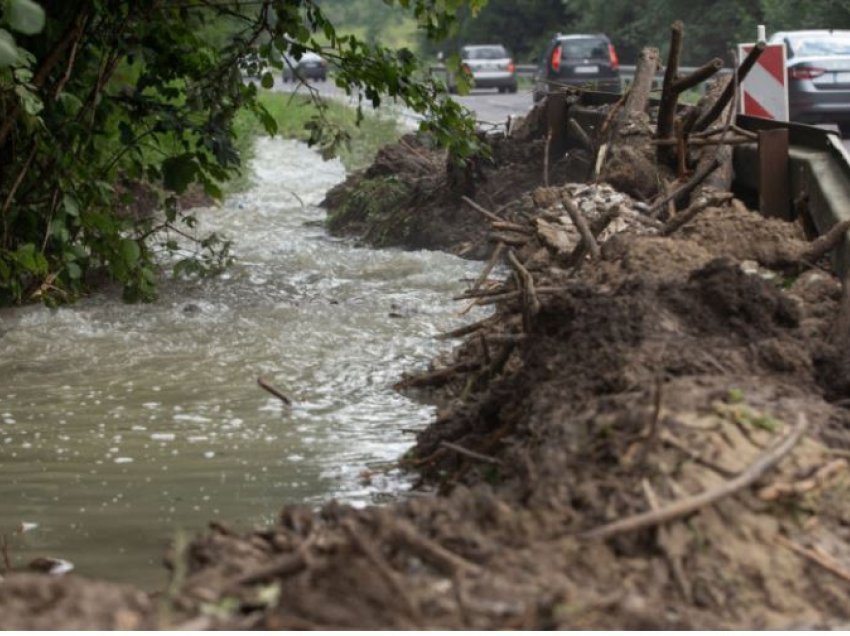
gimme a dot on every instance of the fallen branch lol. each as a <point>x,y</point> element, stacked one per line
<point>789,489</point>
<point>680,220</point>
<point>281,567</point>
<point>438,377</point>
<point>669,94</point>
<point>688,187</point>
<point>431,551</point>
<point>386,572</point>
<point>700,75</point>
<point>731,89</point>
<point>581,225</point>
<point>664,542</point>
<point>530,301</point>
<point>686,506</point>
<point>512,227</point>
<point>460,450</point>
<point>580,135</point>
<point>275,392</point>
<point>479,208</point>
<point>507,239</point>
<point>466,329</point>
<point>824,560</point>
<point>825,243</point>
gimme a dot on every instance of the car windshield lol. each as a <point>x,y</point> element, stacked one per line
<point>584,48</point>
<point>485,53</point>
<point>820,46</point>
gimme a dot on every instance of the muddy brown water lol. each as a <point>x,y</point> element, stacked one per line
<point>121,425</point>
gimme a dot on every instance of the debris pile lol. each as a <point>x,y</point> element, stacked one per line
<point>648,432</point>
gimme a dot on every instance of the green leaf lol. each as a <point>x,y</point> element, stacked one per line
<point>267,81</point>
<point>130,252</point>
<point>178,172</point>
<point>31,260</point>
<point>25,16</point>
<point>74,271</point>
<point>32,103</point>
<point>70,102</point>
<point>72,207</point>
<point>8,50</point>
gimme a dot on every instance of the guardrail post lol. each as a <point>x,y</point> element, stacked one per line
<point>774,178</point>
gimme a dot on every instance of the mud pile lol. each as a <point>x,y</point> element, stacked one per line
<point>639,437</point>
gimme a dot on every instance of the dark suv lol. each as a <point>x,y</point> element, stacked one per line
<point>589,61</point>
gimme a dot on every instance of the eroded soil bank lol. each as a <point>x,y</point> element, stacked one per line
<point>695,369</point>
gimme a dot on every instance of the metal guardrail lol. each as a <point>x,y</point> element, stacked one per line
<point>818,176</point>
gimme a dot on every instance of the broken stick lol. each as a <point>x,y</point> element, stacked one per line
<point>582,227</point>
<point>684,507</point>
<point>275,392</point>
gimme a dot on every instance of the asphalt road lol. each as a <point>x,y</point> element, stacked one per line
<point>489,106</point>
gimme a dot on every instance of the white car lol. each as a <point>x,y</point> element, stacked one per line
<point>491,66</point>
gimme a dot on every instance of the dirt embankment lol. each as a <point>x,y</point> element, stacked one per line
<point>648,432</point>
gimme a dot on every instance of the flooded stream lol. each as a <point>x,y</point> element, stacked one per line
<point>121,424</point>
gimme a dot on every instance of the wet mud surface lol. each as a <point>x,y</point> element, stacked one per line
<point>602,389</point>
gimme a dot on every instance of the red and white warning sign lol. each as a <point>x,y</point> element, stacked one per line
<point>764,92</point>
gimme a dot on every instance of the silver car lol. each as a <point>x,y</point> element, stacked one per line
<point>491,66</point>
<point>818,64</point>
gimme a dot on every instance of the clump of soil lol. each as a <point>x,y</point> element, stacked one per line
<point>406,198</point>
<point>41,602</point>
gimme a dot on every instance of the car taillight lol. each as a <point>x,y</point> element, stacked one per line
<point>615,61</point>
<point>805,72</point>
<point>556,59</point>
<point>511,66</point>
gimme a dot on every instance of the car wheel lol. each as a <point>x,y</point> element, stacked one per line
<point>501,89</point>
<point>512,89</point>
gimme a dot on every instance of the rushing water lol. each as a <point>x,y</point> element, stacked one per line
<point>121,424</point>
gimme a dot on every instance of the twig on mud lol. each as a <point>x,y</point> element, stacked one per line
<point>460,450</point>
<point>275,392</point>
<point>820,478</point>
<point>530,301</point>
<point>281,567</point>
<point>817,555</point>
<point>386,572</point>
<point>686,506</point>
<point>698,177</point>
<point>652,435</point>
<point>485,349</point>
<point>671,440</point>
<point>825,243</point>
<point>517,241</point>
<point>430,551</point>
<point>680,220</point>
<point>582,227</point>
<point>479,208</point>
<point>438,377</point>
<point>664,542</point>
<point>460,332</point>
<point>507,226</point>
<point>580,135</point>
